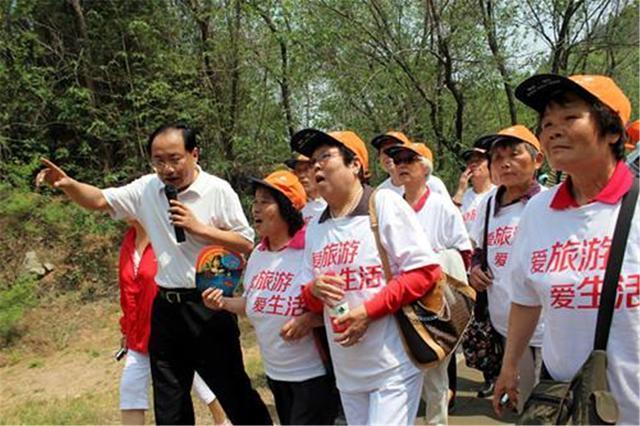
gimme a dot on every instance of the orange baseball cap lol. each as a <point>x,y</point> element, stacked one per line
<point>291,162</point>
<point>633,133</point>
<point>397,138</point>
<point>307,140</point>
<point>287,184</point>
<point>518,132</point>
<point>417,148</point>
<point>535,91</point>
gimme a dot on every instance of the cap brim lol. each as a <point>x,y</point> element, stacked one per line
<point>466,154</point>
<point>535,91</point>
<point>397,150</point>
<point>291,163</point>
<point>261,182</point>
<point>307,140</point>
<point>379,140</point>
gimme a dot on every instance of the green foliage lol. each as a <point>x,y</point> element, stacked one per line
<point>85,87</point>
<point>14,301</point>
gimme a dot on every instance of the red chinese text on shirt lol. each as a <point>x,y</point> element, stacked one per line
<point>586,294</point>
<point>342,253</point>
<point>470,215</point>
<point>571,255</point>
<point>277,304</point>
<point>362,277</point>
<point>502,236</point>
<point>276,281</point>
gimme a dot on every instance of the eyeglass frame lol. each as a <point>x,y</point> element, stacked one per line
<point>324,158</point>
<point>173,163</point>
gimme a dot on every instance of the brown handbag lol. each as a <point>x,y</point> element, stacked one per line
<point>432,326</point>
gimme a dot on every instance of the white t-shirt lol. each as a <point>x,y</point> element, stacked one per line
<point>500,237</point>
<point>211,200</point>
<point>346,247</point>
<point>442,223</point>
<point>313,209</point>
<point>561,269</point>
<point>434,183</point>
<point>469,206</point>
<point>273,298</point>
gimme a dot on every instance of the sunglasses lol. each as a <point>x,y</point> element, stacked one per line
<point>405,159</point>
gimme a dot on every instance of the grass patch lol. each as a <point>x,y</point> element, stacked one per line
<point>91,408</point>
<point>14,301</point>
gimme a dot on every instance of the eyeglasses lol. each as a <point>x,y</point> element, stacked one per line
<point>322,161</point>
<point>405,159</point>
<point>172,162</point>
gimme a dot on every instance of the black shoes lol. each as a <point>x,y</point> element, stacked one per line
<point>486,390</point>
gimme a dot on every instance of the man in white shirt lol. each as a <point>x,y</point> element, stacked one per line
<point>301,167</point>
<point>185,335</point>
<point>476,172</point>
<point>383,142</point>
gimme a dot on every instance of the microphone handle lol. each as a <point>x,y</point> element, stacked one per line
<point>179,233</point>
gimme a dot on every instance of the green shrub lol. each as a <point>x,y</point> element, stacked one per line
<point>14,301</point>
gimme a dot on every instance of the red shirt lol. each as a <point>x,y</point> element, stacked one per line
<point>137,292</point>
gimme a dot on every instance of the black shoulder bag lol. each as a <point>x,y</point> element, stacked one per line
<point>482,346</point>
<point>586,398</point>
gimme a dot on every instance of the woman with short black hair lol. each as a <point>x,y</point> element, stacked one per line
<point>343,272</point>
<point>272,301</point>
<point>564,238</point>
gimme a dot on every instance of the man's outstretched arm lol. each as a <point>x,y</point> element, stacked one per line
<point>85,195</point>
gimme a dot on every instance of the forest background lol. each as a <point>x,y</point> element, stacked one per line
<point>84,82</point>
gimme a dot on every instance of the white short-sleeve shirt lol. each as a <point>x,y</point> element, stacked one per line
<point>502,233</point>
<point>442,223</point>
<point>559,264</point>
<point>313,209</point>
<point>469,206</point>
<point>210,198</point>
<point>346,247</point>
<point>434,183</point>
<point>274,297</point>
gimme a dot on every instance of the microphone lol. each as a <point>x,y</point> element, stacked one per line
<point>172,194</point>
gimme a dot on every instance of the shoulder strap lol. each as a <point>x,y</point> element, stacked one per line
<point>373,217</point>
<point>484,262</point>
<point>614,264</point>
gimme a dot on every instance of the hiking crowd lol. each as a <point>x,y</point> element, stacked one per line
<point>316,287</point>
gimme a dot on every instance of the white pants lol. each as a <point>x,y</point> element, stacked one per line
<point>435,393</point>
<point>394,404</point>
<point>134,384</point>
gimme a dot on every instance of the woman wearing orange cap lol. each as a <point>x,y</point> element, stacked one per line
<point>343,271</point>
<point>564,240</point>
<point>302,390</point>
<point>514,158</point>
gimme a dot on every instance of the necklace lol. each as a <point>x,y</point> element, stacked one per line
<point>349,207</point>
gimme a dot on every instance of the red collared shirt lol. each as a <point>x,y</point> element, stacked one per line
<point>618,185</point>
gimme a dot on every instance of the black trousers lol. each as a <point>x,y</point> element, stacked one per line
<point>310,402</point>
<point>188,337</point>
<point>452,373</point>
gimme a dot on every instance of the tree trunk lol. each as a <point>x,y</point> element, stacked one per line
<point>488,21</point>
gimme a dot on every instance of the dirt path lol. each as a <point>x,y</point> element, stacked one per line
<point>64,371</point>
